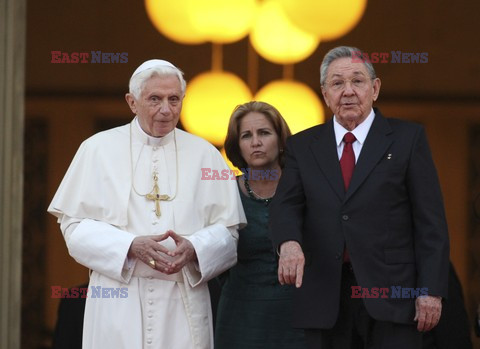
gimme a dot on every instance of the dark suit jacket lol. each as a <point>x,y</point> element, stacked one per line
<point>391,219</point>
<point>453,329</point>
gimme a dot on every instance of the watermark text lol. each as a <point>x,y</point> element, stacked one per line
<point>385,292</point>
<point>89,57</point>
<point>96,292</point>
<point>210,174</point>
<point>390,57</point>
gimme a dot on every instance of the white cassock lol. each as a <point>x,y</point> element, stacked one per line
<point>100,214</point>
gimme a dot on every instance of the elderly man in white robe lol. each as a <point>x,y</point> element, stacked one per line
<point>133,209</point>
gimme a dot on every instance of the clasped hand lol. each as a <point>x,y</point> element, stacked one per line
<point>148,248</point>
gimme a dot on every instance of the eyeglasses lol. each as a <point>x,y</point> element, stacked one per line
<point>340,84</point>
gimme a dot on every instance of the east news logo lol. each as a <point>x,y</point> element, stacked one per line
<point>384,57</point>
<point>95,292</point>
<point>89,57</point>
<point>385,292</point>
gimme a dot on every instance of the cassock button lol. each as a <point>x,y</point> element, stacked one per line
<point>151,288</point>
<point>149,329</point>
<point>345,217</point>
<point>150,302</point>
<point>149,341</point>
<point>150,316</point>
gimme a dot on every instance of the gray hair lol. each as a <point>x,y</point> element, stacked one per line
<point>342,52</point>
<point>137,82</point>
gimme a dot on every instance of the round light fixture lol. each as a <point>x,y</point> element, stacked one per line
<point>209,101</point>
<point>173,19</point>
<point>277,39</point>
<point>223,21</point>
<point>328,19</point>
<point>298,103</point>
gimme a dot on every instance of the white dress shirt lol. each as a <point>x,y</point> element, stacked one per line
<point>360,132</point>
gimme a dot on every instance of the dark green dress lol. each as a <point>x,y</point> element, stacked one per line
<point>254,310</point>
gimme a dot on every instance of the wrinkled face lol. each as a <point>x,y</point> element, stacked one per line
<point>349,91</point>
<point>258,141</point>
<point>159,105</point>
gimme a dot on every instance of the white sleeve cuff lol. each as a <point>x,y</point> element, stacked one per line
<point>216,250</point>
<point>102,247</point>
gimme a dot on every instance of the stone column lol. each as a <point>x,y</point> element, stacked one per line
<point>12,89</point>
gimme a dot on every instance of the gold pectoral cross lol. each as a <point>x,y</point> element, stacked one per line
<point>156,196</point>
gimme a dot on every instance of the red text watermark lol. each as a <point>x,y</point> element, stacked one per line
<point>95,292</point>
<point>210,174</point>
<point>385,292</point>
<point>89,57</point>
<point>390,57</point>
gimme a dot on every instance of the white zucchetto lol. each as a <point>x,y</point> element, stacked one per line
<point>152,63</point>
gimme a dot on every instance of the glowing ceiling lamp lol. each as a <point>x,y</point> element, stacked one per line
<point>198,21</point>
<point>223,21</point>
<point>209,101</point>
<point>173,19</point>
<point>328,19</point>
<point>298,104</point>
<point>275,37</point>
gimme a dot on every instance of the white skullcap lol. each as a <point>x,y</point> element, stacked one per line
<point>152,63</point>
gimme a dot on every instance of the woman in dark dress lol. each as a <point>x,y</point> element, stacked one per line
<point>254,310</point>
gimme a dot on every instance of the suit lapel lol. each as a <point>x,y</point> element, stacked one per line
<point>325,152</point>
<point>376,144</point>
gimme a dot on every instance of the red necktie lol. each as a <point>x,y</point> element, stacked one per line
<point>347,163</point>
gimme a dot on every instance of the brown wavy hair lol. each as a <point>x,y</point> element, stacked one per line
<point>232,147</point>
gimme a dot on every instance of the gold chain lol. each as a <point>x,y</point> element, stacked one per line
<point>155,174</point>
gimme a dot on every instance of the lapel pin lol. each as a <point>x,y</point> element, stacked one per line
<point>389,156</point>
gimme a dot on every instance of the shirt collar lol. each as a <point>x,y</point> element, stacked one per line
<point>360,132</point>
<point>145,138</point>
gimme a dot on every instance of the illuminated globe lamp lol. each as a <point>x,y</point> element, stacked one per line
<point>173,19</point>
<point>196,22</point>
<point>298,103</point>
<point>277,39</point>
<point>221,21</point>
<point>209,101</point>
<point>328,19</point>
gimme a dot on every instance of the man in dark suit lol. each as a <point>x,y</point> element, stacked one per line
<point>358,220</point>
